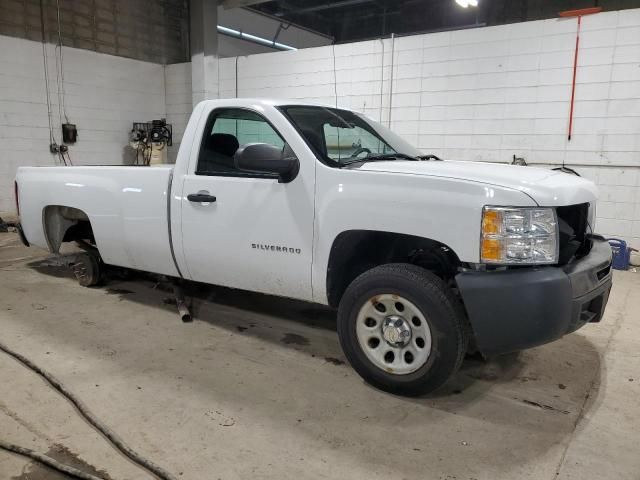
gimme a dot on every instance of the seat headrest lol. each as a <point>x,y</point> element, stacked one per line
<point>223,143</point>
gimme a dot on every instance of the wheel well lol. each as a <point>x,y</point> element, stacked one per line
<point>355,251</point>
<point>66,224</point>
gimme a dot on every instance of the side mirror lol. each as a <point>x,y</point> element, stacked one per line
<point>265,158</point>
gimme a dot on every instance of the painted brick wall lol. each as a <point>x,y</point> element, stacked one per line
<point>142,29</point>
<point>104,95</point>
<point>483,94</point>
<point>487,94</point>
<point>177,80</point>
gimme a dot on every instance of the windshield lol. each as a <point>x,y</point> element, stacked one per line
<point>340,137</point>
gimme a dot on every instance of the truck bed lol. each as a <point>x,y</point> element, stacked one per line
<point>126,205</point>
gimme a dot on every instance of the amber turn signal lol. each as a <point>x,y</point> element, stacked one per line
<point>491,222</point>
<point>491,249</point>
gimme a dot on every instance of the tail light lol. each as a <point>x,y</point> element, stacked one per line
<point>15,190</point>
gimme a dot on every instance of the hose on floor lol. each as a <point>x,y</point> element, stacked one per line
<point>48,461</point>
<point>115,440</point>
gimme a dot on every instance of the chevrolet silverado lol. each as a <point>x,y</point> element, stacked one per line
<point>424,259</point>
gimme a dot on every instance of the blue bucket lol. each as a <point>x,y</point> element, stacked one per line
<point>621,253</point>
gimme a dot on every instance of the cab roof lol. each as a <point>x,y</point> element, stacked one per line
<point>275,102</point>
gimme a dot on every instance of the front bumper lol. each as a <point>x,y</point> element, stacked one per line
<point>515,309</point>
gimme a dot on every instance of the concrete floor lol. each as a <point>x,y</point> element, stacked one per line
<point>257,388</point>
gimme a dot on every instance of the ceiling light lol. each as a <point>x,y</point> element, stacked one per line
<point>467,3</point>
<point>230,31</point>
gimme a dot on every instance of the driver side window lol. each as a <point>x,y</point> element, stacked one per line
<point>225,132</point>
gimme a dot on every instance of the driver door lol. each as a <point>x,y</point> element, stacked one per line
<point>246,229</point>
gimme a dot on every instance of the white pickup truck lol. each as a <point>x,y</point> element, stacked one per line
<point>424,259</point>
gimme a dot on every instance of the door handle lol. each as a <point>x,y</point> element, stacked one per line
<point>201,198</point>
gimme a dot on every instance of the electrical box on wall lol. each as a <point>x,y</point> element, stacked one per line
<point>69,133</point>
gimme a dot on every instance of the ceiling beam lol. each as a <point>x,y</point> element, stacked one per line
<point>324,6</point>
<point>227,4</point>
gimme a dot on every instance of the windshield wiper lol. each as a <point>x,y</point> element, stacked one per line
<point>379,158</point>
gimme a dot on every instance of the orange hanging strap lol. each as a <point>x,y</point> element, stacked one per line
<point>579,14</point>
<point>573,81</point>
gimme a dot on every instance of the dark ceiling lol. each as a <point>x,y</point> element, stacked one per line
<point>351,20</point>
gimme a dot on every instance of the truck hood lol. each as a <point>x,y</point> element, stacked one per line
<point>546,187</point>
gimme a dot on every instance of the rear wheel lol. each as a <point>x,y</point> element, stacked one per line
<point>87,268</point>
<point>402,329</point>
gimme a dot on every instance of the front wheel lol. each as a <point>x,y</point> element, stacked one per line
<point>402,329</point>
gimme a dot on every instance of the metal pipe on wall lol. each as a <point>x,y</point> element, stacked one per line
<point>393,49</point>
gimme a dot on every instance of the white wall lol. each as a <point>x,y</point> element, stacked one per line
<point>482,94</point>
<point>487,94</point>
<point>104,95</point>
<point>177,79</point>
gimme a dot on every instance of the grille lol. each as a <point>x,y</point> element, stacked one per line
<point>573,225</point>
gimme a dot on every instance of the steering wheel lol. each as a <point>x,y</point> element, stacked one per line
<point>429,157</point>
<point>358,151</point>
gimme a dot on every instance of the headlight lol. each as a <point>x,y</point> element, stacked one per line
<point>519,236</point>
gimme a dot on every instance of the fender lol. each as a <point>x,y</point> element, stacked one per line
<point>355,251</point>
<point>348,199</point>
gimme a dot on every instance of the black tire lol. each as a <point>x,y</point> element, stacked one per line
<point>442,310</point>
<point>87,268</point>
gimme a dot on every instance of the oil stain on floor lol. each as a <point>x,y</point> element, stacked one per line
<point>333,360</point>
<point>118,291</point>
<point>295,339</point>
